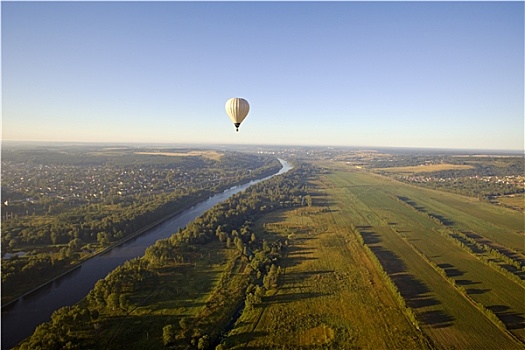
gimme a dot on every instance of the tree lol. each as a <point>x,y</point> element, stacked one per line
<point>75,244</point>
<point>169,333</point>
<point>218,231</point>
<point>64,253</point>
<point>102,238</point>
<point>249,302</point>
<point>113,301</point>
<point>124,302</point>
<point>308,200</point>
<point>204,342</point>
<point>238,244</point>
<point>184,323</point>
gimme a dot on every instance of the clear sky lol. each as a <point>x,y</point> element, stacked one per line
<point>399,74</point>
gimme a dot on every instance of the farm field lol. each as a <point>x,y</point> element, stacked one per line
<point>426,168</point>
<point>210,154</point>
<point>332,293</point>
<point>410,246</point>
<point>517,201</point>
<point>499,224</point>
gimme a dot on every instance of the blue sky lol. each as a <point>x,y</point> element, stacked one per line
<point>398,74</point>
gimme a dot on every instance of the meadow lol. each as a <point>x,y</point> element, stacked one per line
<point>437,290</point>
<point>201,294</point>
<point>517,201</point>
<point>330,294</point>
<point>425,168</point>
<point>209,154</point>
<point>414,246</point>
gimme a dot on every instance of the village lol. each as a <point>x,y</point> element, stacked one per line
<point>38,189</point>
<point>513,180</point>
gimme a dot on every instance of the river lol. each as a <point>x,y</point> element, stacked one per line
<point>20,319</point>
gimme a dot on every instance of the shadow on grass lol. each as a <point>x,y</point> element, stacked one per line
<point>445,221</point>
<point>514,270</point>
<point>413,291</point>
<point>295,249</point>
<point>294,261</point>
<point>287,298</point>
<point>477,291</point>
<point>466,282</point>
<point>502,250</point>
<point>413,204</point>
<point>299,277</point>
<point>370,237</point>
<point>511,319</point>
<point>451,271</point>
<point>391,263</point>
<point>436,319</point>
<point>322,201</point>
<point>296,255</point>
<point>131,329</point>
<point>245,337</point>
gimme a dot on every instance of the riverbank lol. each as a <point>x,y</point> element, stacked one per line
<point>205,283</point>
<point>20,320</point>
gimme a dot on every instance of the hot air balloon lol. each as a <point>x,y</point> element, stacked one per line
<point>237,109</point>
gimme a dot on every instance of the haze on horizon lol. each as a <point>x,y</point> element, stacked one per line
<point>378,74</point>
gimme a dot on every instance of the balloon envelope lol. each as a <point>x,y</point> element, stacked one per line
<point>237,109</point>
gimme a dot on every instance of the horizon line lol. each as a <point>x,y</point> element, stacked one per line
<point>200,144</point>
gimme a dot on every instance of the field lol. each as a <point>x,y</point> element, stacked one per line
<point>213,155</point>
<point>202,294</point>
<point>450,257</point>
<point>331,296</point>
<point>425,168</point>
<point>408,243</point>
<point>513,201</point>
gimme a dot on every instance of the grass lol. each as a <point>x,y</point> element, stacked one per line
<point>513,201</point>
<point>330,294</point>
<point>398,236</point>
<point>496,223</point>
<point>425,168</point>
<point>205,292</point>
<point>213,155</point>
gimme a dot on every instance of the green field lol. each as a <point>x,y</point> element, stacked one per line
<point>513,201</point>
<point>332,293</point>
<point>425,168</point>
<point>405,241</point>
<point>204,292</point>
